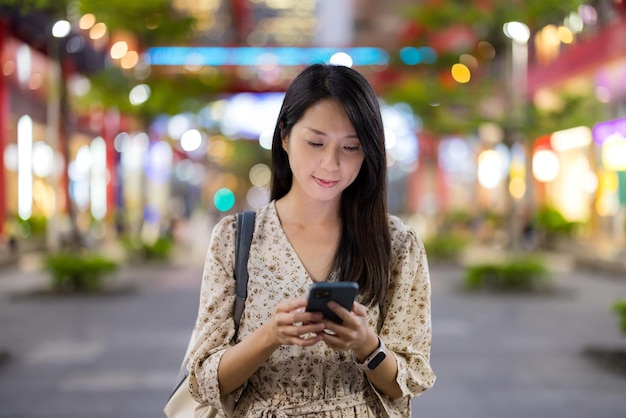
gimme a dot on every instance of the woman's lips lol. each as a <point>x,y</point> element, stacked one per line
<point>325,183</point>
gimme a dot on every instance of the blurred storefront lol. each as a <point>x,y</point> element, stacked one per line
<point>563,166</point>
<point>610,137</point>
<point>27,177</point>
<point>39,137</point>
<point>108,167</point>
<point>575,171</point>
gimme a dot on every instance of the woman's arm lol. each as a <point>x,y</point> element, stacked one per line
<point>216,366</point>
<point>383,377</point>
<point>406,313</point>
<point>240,362</point>
<point>405,325</point>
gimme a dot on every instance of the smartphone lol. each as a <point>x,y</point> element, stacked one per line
<point>321,293</point>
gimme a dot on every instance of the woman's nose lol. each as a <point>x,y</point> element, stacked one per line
<point>330,159</point>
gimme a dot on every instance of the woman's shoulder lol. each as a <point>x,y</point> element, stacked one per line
<point>229,222</point>
<point>400,231</point>
<point>226,222</point>
<point>397,225</point>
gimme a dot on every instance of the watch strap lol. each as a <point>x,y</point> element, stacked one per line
<point>373,360</point>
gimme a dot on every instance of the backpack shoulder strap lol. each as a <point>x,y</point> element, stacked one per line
<point>245,228</point>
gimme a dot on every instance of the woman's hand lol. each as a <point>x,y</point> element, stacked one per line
<point>292,325</point>
<point>353,333</point>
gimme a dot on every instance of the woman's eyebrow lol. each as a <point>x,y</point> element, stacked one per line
<point>318,132</point>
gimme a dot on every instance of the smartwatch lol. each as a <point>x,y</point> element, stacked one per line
<point>373,360</point>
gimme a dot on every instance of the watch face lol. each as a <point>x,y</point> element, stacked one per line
<point>376,360</point>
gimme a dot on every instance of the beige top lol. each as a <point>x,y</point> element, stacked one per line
<point>313,381</point>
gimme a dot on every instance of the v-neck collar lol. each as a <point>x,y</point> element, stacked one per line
<point>287,243</point>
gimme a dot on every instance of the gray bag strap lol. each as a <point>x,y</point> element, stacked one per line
<point>245,228</point>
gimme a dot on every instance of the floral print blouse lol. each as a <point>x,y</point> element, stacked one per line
<point>313,381</point>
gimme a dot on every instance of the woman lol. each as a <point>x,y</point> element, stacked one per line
<point>327,221</point>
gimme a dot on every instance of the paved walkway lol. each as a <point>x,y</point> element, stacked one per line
<point>514,356</point>
<point>116,355</point>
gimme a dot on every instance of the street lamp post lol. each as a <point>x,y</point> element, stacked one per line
<point>519,34</point>
<point>58,126</point>
<point>57,31</point>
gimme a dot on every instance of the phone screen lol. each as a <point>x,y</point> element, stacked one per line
<point>321,293</point>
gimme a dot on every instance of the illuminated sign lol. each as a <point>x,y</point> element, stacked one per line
<point>604,130</point>
<point>612,136</point>
<point>614,153</point>
<point>254,56</point>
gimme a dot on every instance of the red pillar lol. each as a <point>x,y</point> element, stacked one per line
<point>4,111</point>
<point>242,19</point>
<point>111,127</point>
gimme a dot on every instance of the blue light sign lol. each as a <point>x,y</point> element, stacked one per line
<point>253,56</point>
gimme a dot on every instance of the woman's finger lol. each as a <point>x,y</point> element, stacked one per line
<point>290,305</point>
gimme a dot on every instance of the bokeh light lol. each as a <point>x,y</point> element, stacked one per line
<point>191,140</point>
<point>460,73</point>
<point>257,196</point>
<point>178,124</point>
<point>341,58</point>
<point>491,166</point>
<point>43,159</point>
<point>119,49</point>
<point>260,175</point>
<point>61,29</point>
<point>224,199</point>
<point>87,21</point>
<point>139,94</point>
<point>545,165</point>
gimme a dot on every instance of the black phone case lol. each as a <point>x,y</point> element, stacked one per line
<point>321,293</point>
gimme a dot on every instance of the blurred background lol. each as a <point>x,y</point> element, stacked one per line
<point>128,120</point>
<point>129,127</point>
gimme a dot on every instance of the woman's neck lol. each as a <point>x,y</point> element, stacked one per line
<point>293,208</point>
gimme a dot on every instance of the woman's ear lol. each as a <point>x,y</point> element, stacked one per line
<point>281,132</point>
<point>284,136</point>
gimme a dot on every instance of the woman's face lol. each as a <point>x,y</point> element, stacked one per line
<point>324,152</point>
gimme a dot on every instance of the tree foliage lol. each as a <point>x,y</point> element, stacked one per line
<point>55,8</point>
<point>449,107</point>
<point>444,105</point>
<point>169,94</point>
<point>488,16</point>
<point>149,23</point>
<point>152,22</point>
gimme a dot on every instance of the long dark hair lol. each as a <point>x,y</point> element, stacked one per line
<point>365,244</point>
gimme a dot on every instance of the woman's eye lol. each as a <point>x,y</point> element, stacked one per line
<point>314,144</point>
<point>354,148</point>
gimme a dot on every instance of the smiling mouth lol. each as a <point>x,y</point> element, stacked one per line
<point>325,183</point>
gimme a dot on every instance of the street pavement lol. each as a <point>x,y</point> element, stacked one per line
<point>116,355</point>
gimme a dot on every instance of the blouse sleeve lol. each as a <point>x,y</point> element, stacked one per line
<point>215,325</point>
<point>406,318</point>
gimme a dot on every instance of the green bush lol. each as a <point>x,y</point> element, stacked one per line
<point>519,274</point>
<point>459,218</point>
<point>158,250</point>
<point>75,272</point>
<point>34,226</point>
<point>552,221</point>
<point>619,307</point>
<point>444,246</point>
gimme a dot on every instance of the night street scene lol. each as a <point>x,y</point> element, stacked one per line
<point>130,131</point>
